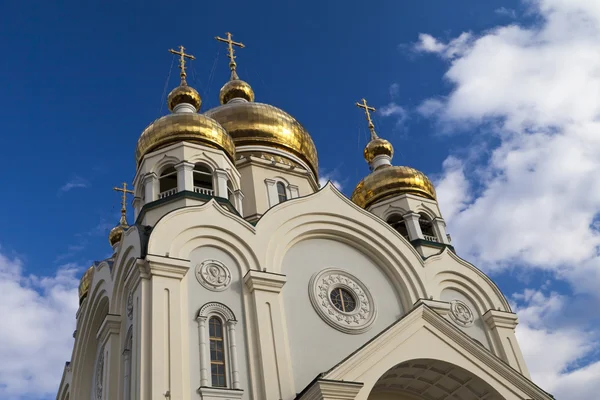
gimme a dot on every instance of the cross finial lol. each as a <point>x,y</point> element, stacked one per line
<point>363,104</point>
<point>230,44</point>
<point>125,192</point>
<point>182,57</point>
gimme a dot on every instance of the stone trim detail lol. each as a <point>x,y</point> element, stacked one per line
<point>356,321</point>
<point>461,313</point>
<point>213,275</point>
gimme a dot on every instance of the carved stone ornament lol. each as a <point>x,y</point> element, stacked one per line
<point>99,375</point>
<point>461,313</point>
<point>213,275</point>
<point>130,306</point>
<point>363,312</point>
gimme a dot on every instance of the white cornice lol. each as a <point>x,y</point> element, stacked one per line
<point>167,267</point>
<point>323,389</point>
<point>110,325</point>
<point>265,281</point>
<point>500,319</point>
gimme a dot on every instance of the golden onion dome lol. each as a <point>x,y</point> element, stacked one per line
<point>236,88</point>
<point>116,234</point>
<point>377,147</point>
<point>251,123</point>
<point>184,126</point>
<point>85,282</point>
<point>387,181</point>
<point>184,94</point>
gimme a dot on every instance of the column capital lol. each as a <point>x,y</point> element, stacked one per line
<point>270,182</point>
<point>500,319</point>
<point>188,166</point>
<point>149,176</point>
<point>325,389</point>
<point>264,281</point>
<point>221,173</point>
<point>411,216</point>
<point>111,325</point>
<point>167,267</point>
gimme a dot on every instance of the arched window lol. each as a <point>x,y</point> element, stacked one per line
<point>217,352</point>
<point>167,182</point>
<point>397,222</point>
<point>427,228</point>
<point>203,180</point>
<point>281,193</point>
<point>216,330</point>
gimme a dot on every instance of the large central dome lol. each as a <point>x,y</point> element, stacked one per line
<point>250,123</point>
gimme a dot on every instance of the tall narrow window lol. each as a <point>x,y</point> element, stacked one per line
<point>217,352</point>
<point>397,222</point>
<point>203,180</point>
<point>281,193</point>
<point>427,228</point>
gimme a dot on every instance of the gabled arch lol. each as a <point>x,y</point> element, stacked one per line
<point>129,251</point>
<point>425,209</point>
<point>164,162</point>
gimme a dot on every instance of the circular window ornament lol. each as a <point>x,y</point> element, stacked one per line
<point>461,313</point>
<point>342,301</point>
<point>213,275</point>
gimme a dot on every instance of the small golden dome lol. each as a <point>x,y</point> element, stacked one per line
<point>378,147</point>
<point>179,127</point>
<point>388,181</point>
<point>84,283</point>
<point>236,88</point>
<point>184,94</point>
<point>116,234</point>
<point>251,123</point>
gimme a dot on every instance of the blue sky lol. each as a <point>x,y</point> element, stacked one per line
<point>497,101</point>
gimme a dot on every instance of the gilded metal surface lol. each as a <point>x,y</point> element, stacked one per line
<point>182,57</point>
<point>184,94</point>
<point>236,89</point>
<point>116,234</point>
<point>389,181</point>
<point>84,283</point>
<point>230,53</point>
<point>363,105</point>
<point>178,127</point>
<point>262,124</point>
<point>377,147</point>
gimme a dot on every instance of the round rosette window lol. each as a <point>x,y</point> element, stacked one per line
<point>341,300</point>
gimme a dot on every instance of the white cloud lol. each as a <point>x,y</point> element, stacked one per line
<point>326,176</point>
<point>532,199</point>
<point>394,90</point>
<point>557,371</point>
<point>454,48</point>
<point>396,111</point>
<point>36,336</point>
<point>74,183</point>
<point>506,12</point>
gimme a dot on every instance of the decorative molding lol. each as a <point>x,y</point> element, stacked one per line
<point>130,305</point>
<point>500,319</point>
<point>358,320</point>
<point>111,325</point>
<point>167,267</point>
<point>219,308</point>
<point>265,281</point>
<point>210,393</point>
<point>99,375</point>
<point>461,313</point>
<point>324,389</point>
<point>441,307</point>
<point>213,275</point>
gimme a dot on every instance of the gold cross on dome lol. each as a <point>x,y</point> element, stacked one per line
<point>123,201</point>
<point>367,108</point>
<point>182,57</point>
<point>230,51</point>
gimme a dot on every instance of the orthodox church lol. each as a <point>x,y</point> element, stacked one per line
<point>241,278</point>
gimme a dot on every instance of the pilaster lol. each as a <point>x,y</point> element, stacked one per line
<point>150,182</point>
<point>439,226</point>
<point>294,192</point>
<point>272,192</point>
<point>276,369</point>
<point>185,177</point>
<point>221,187</point>
<point>108,339</point>
<point>412,225</point>
<point>239,197</point>
<point>137,206</point>
<point>502,327</point>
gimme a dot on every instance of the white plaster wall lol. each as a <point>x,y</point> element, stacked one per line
<point>315,346</point>
<point>477,330</point>
<point>198,295</point>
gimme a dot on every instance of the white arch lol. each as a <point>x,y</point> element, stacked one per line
<point>215,307</point>
<point>164,162</point>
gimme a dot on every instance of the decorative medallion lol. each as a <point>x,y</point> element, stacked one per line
<point>213,275</point>
<point>99,374</point>
<point>461,313</point>
<point>342,301</point>
<point>130,306</point>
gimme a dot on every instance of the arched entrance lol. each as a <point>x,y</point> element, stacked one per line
<point>431,380</point>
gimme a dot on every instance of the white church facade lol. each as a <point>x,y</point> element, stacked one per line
<point>242,279</point>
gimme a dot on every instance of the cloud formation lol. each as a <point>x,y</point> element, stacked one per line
<point>74,183</point>
<point>531,199</point>
<point>37,340</point>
